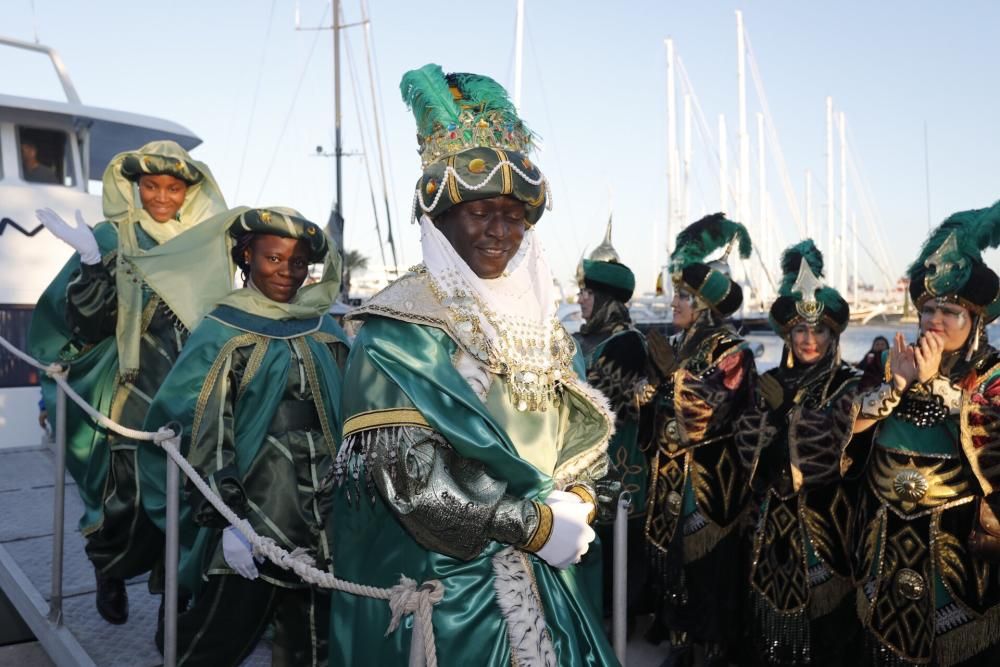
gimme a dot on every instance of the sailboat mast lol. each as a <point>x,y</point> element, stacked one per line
<point>338,216</point>
<point>518,52</point>
<point>685,205</point>
<point>829,189</point>
<point>671,143</point>
<point>743,194</point>
<point>765,255</point>
<point>843,204</point>
<point>723,166</point>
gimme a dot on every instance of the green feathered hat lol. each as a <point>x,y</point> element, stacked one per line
<point>950,266</point>
<point>710,281</point>
<point>286,222</point>
<point>802,295</point>
<point>472,143</point>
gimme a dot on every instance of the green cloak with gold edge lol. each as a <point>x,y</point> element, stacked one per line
<point>92,375</point>
<point>181,399</point>
<point>401,374</point>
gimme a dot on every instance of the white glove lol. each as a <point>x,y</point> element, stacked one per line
<point>237,552</point>
<point>79,237</point>
<point>571,535</point>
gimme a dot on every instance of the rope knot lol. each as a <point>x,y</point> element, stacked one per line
<point>407,598</point>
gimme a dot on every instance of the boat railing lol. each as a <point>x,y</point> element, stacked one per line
<point>57,63</point>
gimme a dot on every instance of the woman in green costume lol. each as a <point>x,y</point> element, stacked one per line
<point>470,439</point>
<point>697,490</point>
<point>616,358</point>
<point>794,442</point>
<point>257,390</point>
<point>118,314</point>
<point>930,546</point>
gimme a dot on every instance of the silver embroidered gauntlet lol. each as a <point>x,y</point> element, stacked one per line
<point>880,402</point>
<point>447,502</point>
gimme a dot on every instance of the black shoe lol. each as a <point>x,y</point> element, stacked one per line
<point>112,599</point>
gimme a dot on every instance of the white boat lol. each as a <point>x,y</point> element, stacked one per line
<point>72,144</point>
<point>45,588</point>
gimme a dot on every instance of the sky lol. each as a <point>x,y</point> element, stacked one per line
<point>259,94</point>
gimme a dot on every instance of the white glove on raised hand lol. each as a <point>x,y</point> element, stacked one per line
<point>571,535</point>
<point>237,552</point>
<point>79,237</point>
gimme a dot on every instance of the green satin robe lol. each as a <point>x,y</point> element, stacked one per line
<point>402,374</point>
<point>93,358</point>
<point>225,390</point>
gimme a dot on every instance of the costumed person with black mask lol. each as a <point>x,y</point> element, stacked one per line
<point>615,353</point>
<point>257,390</point>
<point>471,441</point>
<point>697,491</point>
<point>930,547</point>
<point>118,314</point>
<point>794,443</point>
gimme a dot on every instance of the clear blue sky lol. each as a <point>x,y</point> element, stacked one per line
<point>594,89</point>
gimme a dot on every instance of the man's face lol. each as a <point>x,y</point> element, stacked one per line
<point>486,233</point>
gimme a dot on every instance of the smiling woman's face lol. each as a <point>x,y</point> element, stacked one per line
<point>810,343</point>
<point>162,195</point>
<point>486,233</point>
<point>278,265</point>
<point>950,321</point>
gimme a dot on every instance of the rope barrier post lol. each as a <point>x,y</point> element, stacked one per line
<point>58,509</point>
<point>619,582</point>
<point>171,555</point>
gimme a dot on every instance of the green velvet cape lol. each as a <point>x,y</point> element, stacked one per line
<point>401,374</point>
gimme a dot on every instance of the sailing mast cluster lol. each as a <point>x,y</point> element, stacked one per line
<point>836,228</point>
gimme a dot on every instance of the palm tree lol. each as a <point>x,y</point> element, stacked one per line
<point>353,261</point>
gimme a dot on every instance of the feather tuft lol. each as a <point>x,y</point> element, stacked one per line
<point>791,260</point>
<point>427,94</point>
<point>703,237</point>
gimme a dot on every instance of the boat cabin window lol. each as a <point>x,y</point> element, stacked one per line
<point>15,321</point>
<point>45,156</point>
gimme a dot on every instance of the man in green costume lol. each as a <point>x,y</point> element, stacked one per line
<point>257,390</point>
<point>118,314</point>
<point>470,439</point>
<point>616,366</point>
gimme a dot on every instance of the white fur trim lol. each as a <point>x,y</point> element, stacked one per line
<point>527,631</point>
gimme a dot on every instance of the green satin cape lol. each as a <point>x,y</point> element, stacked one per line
<point>177,400</point>
<point>92,374</point>
<point>394,368</point>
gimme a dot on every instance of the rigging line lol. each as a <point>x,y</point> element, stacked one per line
<point>566,201</point>
<point>873,219</point>
<point>778,153</point>
<point>389,177</point>
<point>364,148</point>
<point>703,122</point>
<point>291,107</point>
<point>378,136</point>
<point>855,162</point>
<point>256,92</point>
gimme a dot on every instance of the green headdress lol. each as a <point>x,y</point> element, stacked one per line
<point>604,270</point>
<point>472,143</point>
<point>950,265</point>
<point>802,295</point>
<point>710,281</point>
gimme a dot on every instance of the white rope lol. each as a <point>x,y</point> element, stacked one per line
<point>404,598</point>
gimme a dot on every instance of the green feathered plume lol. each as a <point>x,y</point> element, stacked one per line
<point>427,94</point>
<point>974,231</point>
<point>791,260</point>
<point>700,239</point>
